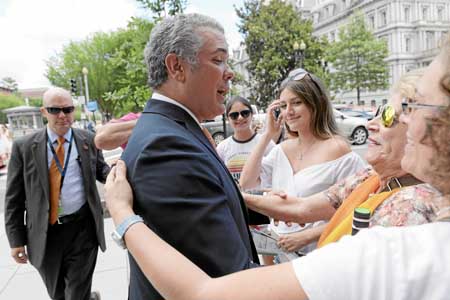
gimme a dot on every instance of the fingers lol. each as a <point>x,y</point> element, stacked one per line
<point>19,255</point>
<point>121,170</point>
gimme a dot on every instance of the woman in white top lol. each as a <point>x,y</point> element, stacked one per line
<point>314,161</point>
<point>402,263</point>
<point>235,150</point>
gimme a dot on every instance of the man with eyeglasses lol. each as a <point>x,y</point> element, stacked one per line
<point>53,213</point>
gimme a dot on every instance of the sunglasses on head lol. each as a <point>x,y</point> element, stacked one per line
<point>244,113</point>
<point>56,110</point>
<point>388,115</point>
<point>298,74</point>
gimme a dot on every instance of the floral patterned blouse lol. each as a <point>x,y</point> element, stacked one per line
<point>412,205</point>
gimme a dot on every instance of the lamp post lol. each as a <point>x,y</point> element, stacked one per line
<point>85,72</point>
<point>299,50</point>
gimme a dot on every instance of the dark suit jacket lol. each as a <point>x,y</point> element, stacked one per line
<point>186,195</point>
<point>28,190</point>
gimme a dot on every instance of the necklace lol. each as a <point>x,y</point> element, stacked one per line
<point>300,157</point>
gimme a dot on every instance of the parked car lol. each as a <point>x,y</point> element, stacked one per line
<point>215,128</point>
<point>352,127</point>
<point>358,113</point>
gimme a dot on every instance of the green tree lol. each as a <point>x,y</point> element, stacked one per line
<point>162,8</point>
<point>116,67</point>
<point>10,83</point>
<point>270,32</point>
<point>8,101</point>
<point>358,59</point>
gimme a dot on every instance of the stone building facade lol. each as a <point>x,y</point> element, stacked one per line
<point>412,30</point>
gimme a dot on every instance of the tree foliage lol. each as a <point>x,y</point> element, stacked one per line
<point>8,101</point>
<point>115,61</point>
<point>270,32</point>
<point>358,59</point>
<point>163,8</point>
<point>10,83</point>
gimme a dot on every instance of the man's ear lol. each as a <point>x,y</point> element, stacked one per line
<point>175,67</point>
<point>43,111</point>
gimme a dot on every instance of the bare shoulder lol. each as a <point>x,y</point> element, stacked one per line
<point>336,147</point>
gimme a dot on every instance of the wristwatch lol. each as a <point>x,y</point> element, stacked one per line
<point>117,235</point>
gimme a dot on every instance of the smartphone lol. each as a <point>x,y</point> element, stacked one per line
<point>255,192</point>
<point>276,112</point>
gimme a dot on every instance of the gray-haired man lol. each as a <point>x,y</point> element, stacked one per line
<point>182,189</point>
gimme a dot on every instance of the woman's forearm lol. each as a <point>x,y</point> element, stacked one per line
<point>292,209</point>
<point>175,277</point>
<point>250,176</point>
<point>112,135</point>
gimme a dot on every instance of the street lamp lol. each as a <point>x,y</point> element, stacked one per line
<point>299,50</point>
<point>85,72</point>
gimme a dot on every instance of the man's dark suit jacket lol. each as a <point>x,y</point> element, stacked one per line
<point>28,190</point>
<point>186,195</point>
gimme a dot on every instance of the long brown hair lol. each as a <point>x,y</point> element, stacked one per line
<point>314,95</point>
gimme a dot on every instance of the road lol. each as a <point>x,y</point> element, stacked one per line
<point>110,155</point>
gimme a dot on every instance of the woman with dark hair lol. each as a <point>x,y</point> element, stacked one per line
<point>235,150</point>
<point>315,160</point>
<point>402,263</point>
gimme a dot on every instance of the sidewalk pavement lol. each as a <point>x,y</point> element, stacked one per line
<point>22,282</point>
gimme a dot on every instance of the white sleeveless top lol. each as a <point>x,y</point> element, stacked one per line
<point>277,173</point>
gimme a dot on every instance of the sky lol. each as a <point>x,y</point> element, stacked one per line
<point>32,31</point>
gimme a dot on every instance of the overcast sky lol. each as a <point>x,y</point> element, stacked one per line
<point>31,31</point>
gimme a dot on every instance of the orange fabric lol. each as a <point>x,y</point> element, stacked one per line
<point>209,137</point>
<point>358,196</point>
<point>54,178</point>
<point>345,226</point>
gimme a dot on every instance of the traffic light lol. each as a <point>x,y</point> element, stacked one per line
<point>73,86</point>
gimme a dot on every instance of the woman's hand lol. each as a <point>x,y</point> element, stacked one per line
<point>118,194</point>
<point>294,241</point>
<point>273,127</point>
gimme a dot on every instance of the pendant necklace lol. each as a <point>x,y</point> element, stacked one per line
<point>304,152</point>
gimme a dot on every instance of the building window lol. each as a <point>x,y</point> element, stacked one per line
<point>407,14</point>
<point>372,22</point>
<point>440,13</point>
<point>429,40</point>
<point>332,36</point>
<point>425,13</point>
<point>408,44</point>
<point>383,18</point>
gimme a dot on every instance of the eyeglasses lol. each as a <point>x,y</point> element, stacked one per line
<point>388,115</point>
<point>56,110</point>
<point>244,113</point>
<point>408,107</point>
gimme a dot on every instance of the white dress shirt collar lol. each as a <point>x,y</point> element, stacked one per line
<point>53,136</point>
<point>158,96</point>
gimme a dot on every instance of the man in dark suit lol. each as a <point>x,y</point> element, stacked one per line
<point>53,214</point>
<point>182,189</point>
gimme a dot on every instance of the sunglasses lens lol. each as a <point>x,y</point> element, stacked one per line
<point>233,115</point>
<point>245,113</point>
<point>68,110</point>
<point>57,110</point>
<point>388,115</point>
<point>53,110</point>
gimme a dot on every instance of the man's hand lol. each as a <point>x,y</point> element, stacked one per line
<point>118,194</point>
<point>20,255</point>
